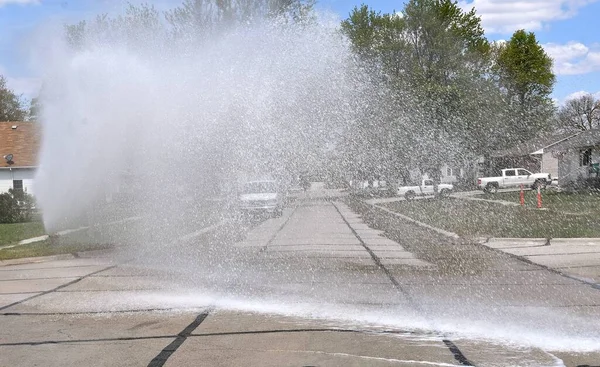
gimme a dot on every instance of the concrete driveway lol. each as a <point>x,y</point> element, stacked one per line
<point>320,286</point>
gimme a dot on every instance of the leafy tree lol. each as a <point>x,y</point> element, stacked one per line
<point>461,96</point>
<point>582,113</point>
<point>193,20</point>
<point>34,109</point>
<point>16,207</point>
<point>139,27</point>
<point>197,19</point>
<point>525,68</point>
<point>11,108</point>
<point>524,71</point>
<point>373,34</point>
<point>443,39</point>
<point>432,56</point>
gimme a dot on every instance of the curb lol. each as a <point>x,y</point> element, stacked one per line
<point>68,231</point>
<point>39,259</point>
<point>420,224</point>
<point>80,254</point>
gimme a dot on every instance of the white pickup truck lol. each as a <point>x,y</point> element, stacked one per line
<point>514,177</point>
<point>426,189</point>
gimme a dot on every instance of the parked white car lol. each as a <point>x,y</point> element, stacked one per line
<point>261,197</point>
<point>425,189</point>
<point>514,177</point>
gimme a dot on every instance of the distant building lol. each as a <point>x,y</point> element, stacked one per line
<point>19,147</point>
<point>535,155</point>
<point>578,157</point>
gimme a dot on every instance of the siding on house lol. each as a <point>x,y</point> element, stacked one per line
<point>5,180</point>
<point>8,176</point>
<point>550,164</point>
<point>451,174</point>
<point>570,168</point>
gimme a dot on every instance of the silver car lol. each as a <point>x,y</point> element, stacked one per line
<point>261,197</point>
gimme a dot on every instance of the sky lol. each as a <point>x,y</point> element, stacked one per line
<point>569,31</point>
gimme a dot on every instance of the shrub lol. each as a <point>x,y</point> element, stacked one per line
<point>16,206</point>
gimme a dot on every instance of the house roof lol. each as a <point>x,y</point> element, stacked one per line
<point>22,140</point>
<point>588,138</point>
<point>535,145</point>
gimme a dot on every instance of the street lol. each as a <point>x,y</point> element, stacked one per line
<point>328,283</point>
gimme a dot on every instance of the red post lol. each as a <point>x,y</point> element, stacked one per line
<point>522,196</point>
<point>539,198</point>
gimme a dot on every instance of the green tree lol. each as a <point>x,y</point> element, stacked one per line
<point>432,57</point>
<point>197,18</point>
<point>524,71</point>
<point>140,26</point>
<point>11,107</point>
<point>34,109</point>
<point>193,20</point>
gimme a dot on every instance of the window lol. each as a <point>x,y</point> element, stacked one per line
<point>260,187</point>
<point>509,172</point>
<point>18,186</point>
<point>524,172</point>
<point>585,157</point>
<point>449,171</point>
<point>428,183</point>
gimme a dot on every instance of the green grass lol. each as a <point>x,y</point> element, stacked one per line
<point>555,201</point>
<point>47,248</point>
<point>482,219</point>
<point>14,232</point>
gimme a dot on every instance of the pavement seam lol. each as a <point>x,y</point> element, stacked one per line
<point>89,312</point>
<point>458,355</point>
<point>232,333</point>
<point>45,342</point>
<point>168,351</point>
<point>270,241</point>
<point>47,278</point>
<point>57,288</point>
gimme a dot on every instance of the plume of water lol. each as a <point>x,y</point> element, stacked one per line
<point>184,121</point>
<point>173,124</point>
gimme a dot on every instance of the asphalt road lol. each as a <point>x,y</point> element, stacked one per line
<point>320,286</point>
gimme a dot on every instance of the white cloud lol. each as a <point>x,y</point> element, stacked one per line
<point>506,16</point>
<point>574,58</point>
<point>20,2</point>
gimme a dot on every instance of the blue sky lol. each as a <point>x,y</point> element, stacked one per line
<point>569,30</point>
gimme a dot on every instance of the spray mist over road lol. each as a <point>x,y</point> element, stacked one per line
<point>264,99</point>
<point>168,130</point>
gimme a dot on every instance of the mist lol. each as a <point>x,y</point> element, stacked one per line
<point>142,121</point>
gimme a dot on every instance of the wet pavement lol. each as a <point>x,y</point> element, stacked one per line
<point>332,282</point>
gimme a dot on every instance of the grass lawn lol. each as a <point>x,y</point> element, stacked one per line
<point>483,219</point>
<point>555,201</point>
<point>47,248</point>
<point>14,232</point>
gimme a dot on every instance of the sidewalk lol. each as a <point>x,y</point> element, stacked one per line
<point>577,258</point>
<point>574,257</point>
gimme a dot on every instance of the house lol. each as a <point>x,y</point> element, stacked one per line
<point>455,173</point>
<point>535,155</point>
<point>577,155</point>
<point>19,146</point>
